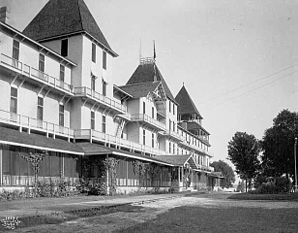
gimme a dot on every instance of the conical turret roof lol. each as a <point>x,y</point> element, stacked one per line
<point>186,104</point>
<point>60,18</point>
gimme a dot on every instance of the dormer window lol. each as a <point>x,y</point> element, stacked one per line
<point>64,47</point>
<point>93,52</point>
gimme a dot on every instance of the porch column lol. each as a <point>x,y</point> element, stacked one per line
<point>179,178</point>
<point>107,180</point>
<point>1,169</point>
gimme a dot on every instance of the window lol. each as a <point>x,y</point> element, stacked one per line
<point>93,78</point>
<point>174,109</point>
<point>39,108</point>
<point>144,137</point>
<point>104,124</point>
<point>16,50</point>
<point>41,62</point>
<point>104,87</point>
<point>170,124</point>
<point>170,147</point>
<point>92,120</point>
<point>62,73</point>
<point>144,108</point>
<point>61,115</point>
<point>153,141</point>
<point>153,112</point>
<point>64,47</point>
<point>13,100</point>
<point>174,148</point>
<point>170,106</point>
<point>174,126</point>
<point>104,60</point>
<point>93,52</point>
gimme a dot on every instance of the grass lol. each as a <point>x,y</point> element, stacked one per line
<point>218,220</point>
<point>269,197</point>
<point>60,217</point>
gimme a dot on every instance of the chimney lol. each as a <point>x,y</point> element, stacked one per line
<point>3,14</point>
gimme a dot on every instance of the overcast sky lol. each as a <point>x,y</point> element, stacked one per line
<point>237,58</point>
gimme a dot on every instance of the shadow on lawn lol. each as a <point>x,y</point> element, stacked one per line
<point>270,197</point>
<point>213,220</point>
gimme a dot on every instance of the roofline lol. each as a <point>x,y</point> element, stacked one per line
<point>40,147</point>
<point>37,43</point>
<point>114,54</point>
<point>119,89</point>
<point>141,158</point>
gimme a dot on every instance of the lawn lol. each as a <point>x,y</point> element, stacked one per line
<point>271,197</point>
<point>213,220</point>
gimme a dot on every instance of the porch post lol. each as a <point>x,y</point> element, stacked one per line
<point>179,178</point>
<point>1,169</point>
<point>107,180</point>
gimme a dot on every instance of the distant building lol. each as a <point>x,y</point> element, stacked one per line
<point>58,96</point>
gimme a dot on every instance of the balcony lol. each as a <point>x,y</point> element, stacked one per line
<point>190,146</point>
<point>34,74</point>
<point>34,124</point>
<point>173,135</point>
<point>148,120</point>
<point>106,101</point>
<point>118,142</point>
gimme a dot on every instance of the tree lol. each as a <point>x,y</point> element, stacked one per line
<point>227,171</point>
<point>278,145</point>
<point>243,151</point>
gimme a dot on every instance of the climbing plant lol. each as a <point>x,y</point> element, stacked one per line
<point>141,169</point>
<point>110,165</point>
<point>34,159</point>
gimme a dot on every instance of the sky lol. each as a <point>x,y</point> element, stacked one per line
<point>238,59</point>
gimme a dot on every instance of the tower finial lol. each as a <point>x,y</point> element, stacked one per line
<point>140,49</point>
<point>154,52</point>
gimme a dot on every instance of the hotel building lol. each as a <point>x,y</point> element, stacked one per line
<point>58,97</point>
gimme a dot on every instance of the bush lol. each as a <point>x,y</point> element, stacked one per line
<point>278,185</point>
<point>98,189</point>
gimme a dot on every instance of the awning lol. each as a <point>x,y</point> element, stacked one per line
<point>14,137</point>
<point>93,149</point>
<point>178,160</point>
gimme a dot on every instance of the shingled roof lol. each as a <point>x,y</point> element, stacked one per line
<point>149,73</point>
<point>186,105</point>
<point>59,18</point>
<point>138,90</point>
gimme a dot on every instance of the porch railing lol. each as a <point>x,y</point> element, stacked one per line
<point>33,123</point>
<point>148,120</point>
<point>34,73</point>
<point>110,139</point>
<point>88,92</point>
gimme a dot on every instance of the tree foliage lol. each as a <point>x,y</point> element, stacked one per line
<point>278,145</point>
<point>243,151</point>
<point>227,171</point>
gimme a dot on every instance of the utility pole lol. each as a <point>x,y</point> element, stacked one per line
<point>295,164</point>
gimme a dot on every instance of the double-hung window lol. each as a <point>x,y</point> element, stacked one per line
<point>39,108</point>
<point>104,60</point>
<point>92,120</point>
<point>93,79</point>
<point>153,140</point>
<point>93,52</point>
<point>144,137</point>
<point>104,124</point>
<point>62,73</point>
<point>61,114</point>
<point>104,88</point>
<point>13,100</point>
<point>16,53</point>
